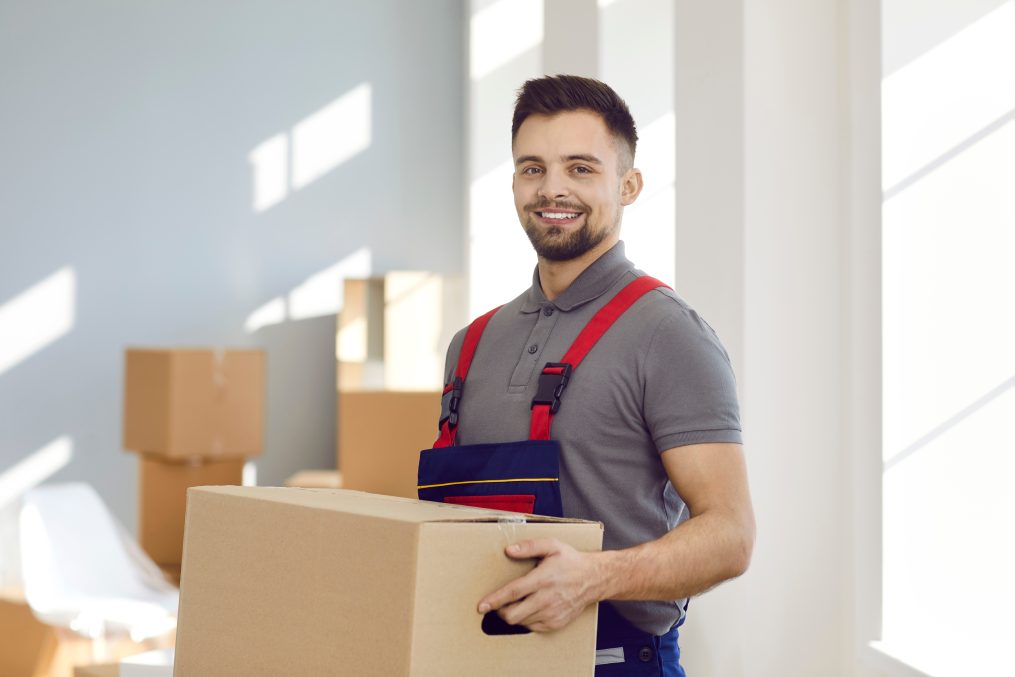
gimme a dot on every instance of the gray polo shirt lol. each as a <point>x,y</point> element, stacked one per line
<point>658,379</point>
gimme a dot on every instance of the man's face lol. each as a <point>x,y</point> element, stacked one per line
<point>568,185</point>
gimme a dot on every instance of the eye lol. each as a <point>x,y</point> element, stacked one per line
<point>582,169</point>
<point>531,171</point>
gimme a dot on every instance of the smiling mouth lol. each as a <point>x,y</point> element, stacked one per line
<point>558,216</point>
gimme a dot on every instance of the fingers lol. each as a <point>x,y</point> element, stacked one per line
<point>527,584</point>
<point>534,612</point>
<point>512,592</point>
<point>521,612</point>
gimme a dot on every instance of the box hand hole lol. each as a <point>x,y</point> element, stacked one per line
<point>493,624</point>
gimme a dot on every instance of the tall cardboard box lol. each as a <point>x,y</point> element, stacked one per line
<point>309,582</point>
<point>393,331</point>
<point>380,435</point>
<point>162,501</point>
<point>186,403</point>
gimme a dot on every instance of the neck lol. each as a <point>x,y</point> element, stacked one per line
<point>556,276</point>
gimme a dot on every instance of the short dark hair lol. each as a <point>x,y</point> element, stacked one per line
<point>555,94</point>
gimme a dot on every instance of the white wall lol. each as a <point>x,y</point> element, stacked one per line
<point>127,131</point>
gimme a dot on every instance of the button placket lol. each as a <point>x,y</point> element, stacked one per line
<point>531,354</point>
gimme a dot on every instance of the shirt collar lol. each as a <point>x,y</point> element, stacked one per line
<point>592,283</point>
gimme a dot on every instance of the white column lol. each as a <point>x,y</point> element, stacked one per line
<point>861,328</point>
<point>571,46</point>
<point>710,266</point>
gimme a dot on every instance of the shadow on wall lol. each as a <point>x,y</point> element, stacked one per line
<point>177,168</point>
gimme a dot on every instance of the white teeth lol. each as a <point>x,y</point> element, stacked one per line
<point>558,215</point>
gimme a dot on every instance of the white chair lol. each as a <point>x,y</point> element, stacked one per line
<point>82,571</point>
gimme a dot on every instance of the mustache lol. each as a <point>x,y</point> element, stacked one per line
<point>552,204</point>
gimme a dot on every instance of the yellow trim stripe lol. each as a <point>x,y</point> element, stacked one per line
<point>519,479</point>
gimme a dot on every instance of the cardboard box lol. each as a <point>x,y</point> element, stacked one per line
<point>380,435</point>
<point>309,582</point>
<point>30,648</point>
<point>393,331</point>
<point>316,479</point>
<point>172,572</point>
<point>102,670</point>
<point>162,500</point>
<point>186,403</point>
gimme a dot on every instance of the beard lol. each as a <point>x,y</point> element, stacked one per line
<point>559,244</point>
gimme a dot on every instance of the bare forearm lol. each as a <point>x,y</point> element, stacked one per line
<point>697,555</point>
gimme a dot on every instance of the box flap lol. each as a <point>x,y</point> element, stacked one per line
<point>376,505</point>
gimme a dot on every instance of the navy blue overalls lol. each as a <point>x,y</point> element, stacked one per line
<point>524,476</point>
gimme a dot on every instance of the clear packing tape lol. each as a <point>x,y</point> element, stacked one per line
<point>508,526</point>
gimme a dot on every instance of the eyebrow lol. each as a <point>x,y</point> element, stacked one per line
<point>591,159</point>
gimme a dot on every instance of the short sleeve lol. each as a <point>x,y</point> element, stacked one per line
<point>690,389</point>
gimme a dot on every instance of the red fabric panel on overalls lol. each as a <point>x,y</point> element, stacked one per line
<point>511,502</point>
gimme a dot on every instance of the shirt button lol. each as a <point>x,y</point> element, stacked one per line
<point>645,655</point>
<point>533,348</point>
<point>548,310</point>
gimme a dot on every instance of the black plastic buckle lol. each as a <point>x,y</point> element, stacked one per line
<point>551,386</point>
<point>456,398</point>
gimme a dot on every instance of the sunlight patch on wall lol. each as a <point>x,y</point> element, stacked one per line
<point>941,99</point>
<point>290,161</point>
<point>321,293</point>
<point>501,31</point>
<point>35,469</point>
<point>318,295</point>
<point>948,242</point>
<point>272,312</point>
<point>331,136</point>
<point>37,317</point>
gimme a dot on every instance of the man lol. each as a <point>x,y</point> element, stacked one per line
<point>645,422</point>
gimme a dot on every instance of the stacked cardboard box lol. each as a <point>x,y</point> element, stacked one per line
<point>193,417</point>
<point>307,582</point>
<point>392,335</point>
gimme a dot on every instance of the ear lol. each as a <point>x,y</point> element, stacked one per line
<point>630,186</point>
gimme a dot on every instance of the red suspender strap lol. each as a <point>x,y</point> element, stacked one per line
<point>449,425</point>
<point>555,376</point>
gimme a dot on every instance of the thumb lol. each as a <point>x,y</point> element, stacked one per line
<point>543,547</point>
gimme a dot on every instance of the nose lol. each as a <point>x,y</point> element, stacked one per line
<point>553,186</point>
